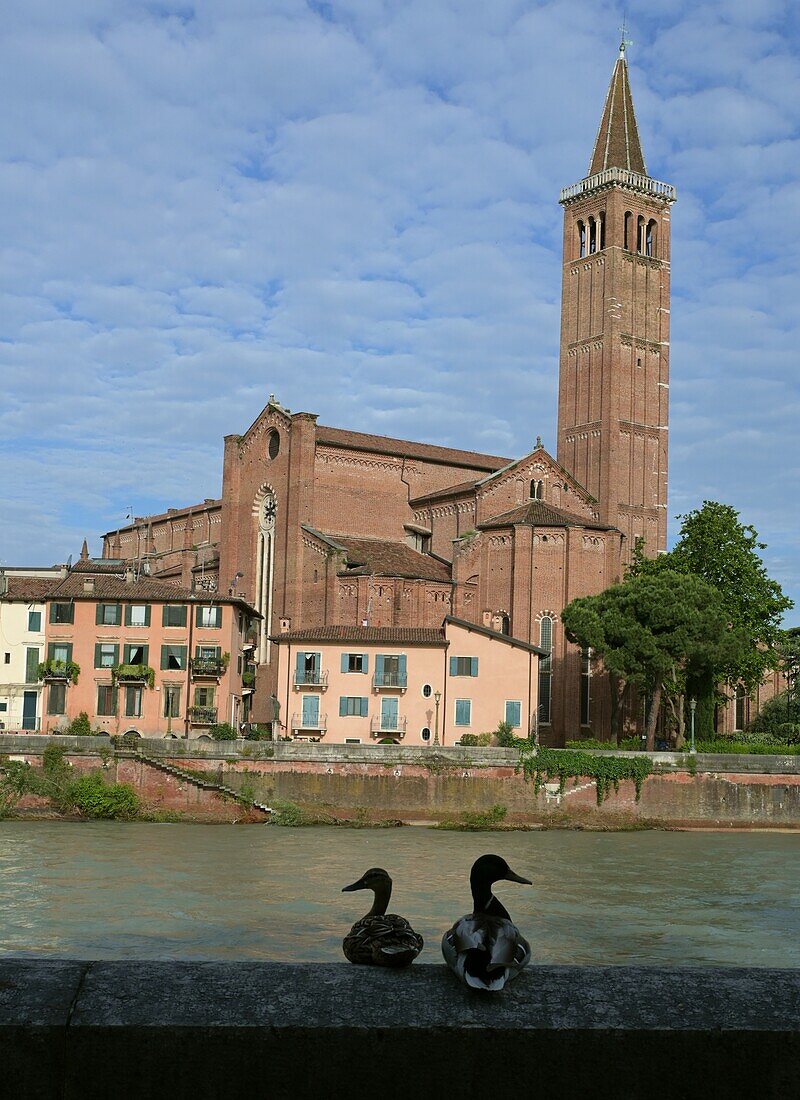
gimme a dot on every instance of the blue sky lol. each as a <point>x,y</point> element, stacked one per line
<point>354,206</point>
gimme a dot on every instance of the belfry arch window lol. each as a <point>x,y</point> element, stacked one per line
<point>581,239</point>
<point>592,235</point>
<point>640,234</point>
<point>601,230</point>
<point>537,490</point>
<point>545,669</point>
<point>628,230</point>
<point>650,238</point>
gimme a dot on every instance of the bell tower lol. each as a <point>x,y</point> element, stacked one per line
<point>613,400</point>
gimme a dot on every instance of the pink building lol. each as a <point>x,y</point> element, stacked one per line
<point>143,655</point>
<point>421,686</point>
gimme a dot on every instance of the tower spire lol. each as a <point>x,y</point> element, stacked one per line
<point>617,144</point>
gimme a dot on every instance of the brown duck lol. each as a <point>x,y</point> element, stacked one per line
<point>380,938</point>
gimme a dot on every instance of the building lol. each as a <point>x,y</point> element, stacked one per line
<point>416,685</point>
<point>22,643</point>
<point>322,527</point>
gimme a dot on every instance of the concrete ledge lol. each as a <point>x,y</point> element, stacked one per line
<point>214,1030</point>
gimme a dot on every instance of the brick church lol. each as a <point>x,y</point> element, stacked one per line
<point>322,526</point>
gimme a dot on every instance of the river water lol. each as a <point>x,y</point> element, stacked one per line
<point>110,891</point>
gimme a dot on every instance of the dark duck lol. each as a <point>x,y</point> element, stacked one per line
<point>380,938</point>
<point>485,949</point>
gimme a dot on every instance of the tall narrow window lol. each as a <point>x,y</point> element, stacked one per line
<point>628,230</point>
<point>172,701</point>
<point>537,490</point>
<point>545,669</point>
<point>586,685</point>
<point>650,238</point>
<point>601,230</point>
<point>640,234</point>
<point>741,707</point>
<point>592,235</point>
<point>582,238</point>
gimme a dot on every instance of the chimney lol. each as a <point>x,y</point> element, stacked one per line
<point>487,619</point>
<point>129,575</point>
<point>88,585</point>
<point>286,625</point>
<point>3,583</point>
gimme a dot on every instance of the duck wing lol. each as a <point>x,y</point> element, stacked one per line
<point>485,952</point>
<point>387,940</point>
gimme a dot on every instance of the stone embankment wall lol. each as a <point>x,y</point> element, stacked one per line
<point>414,784</point>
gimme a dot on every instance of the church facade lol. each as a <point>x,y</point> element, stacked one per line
<point>324,527</point>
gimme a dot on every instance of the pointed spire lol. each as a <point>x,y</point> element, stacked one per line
<point>85,551</point>
<point>617,144</point>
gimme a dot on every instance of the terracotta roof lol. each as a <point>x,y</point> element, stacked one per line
<point>450,491</point>
<point>171,513</point>
<point>101,565</point>
<point>404,448</point>
<point>29,589</point>
<point>148,589</point>
<point>518,643</point>
<point>539,514</point>
<point>398,635</point>
<point>617,144</point>
<point>383,558</point>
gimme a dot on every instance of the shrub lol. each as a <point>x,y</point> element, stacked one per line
<point>80,726</point>
<point>222,731</point>
<point>505,736</point>
<point>775,713</point>
<point>107,801</point>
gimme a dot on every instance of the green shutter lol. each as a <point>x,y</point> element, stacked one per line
<point>147,614</point>
<point>31,666</point>
<point>164,622</point>
<point>342,706</point>
<point>98,619</point>
<point>454,666</point>
<point>474,671</point>
<point>116,655</point>
<point>165,655</point>
<point>145,654</point>
<point>180,653</point>
<point>98,650</point>
<point>127,615</point>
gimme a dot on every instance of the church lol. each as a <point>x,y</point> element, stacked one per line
<point>323,527</point>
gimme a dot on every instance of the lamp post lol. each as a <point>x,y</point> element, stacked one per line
<point>437,698</point>
<point>692,708</point>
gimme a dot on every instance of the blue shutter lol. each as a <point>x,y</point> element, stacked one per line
<point>401,668</point>
<point>462,712</point>
<point>474,671</point>
<point>345,661</point>
<point>365,662</point>
<point>342,706</point>
<point>300,668</point>
<point>513,713</point>
<point>364,706</point>
<point>454,666</point>
<point>378,668</point>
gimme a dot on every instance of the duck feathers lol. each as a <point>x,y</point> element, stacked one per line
<point>385,940</point>
<point>485,952</point>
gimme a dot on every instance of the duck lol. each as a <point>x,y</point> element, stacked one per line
<point>380,938</point>
<point>485,949</point>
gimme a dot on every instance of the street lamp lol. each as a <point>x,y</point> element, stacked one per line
<point>692,708</point>
<point>437,698</point>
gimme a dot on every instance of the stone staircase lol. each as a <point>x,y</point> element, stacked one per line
<point>203,784</point>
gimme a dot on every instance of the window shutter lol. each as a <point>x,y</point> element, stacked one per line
<point>197,616</point>
<point>345,662</point>
<point>69,651</point>
<point>180,653</point>
<point>51,651</point>
<point>379,667</point>
<point>98,655</point>
<point>145,654</point>
<point>31,666</point>
<point>116,654</point>
<point>98,618</point>
<point>365,662</point>
<point>165,617</point>
<point>474,671</point>
<point>126,653</point>
<point>147,614</point>
<point>342,706</point>
<point>300,666</point>
<point>462,712</point>
<point>364,706</point>
<point>454,666</point>
<point>127,614</point>
<point>513,713</point>
<point>401,668</point>
<point>165,650</point>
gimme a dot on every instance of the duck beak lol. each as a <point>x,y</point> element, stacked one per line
<point>511,877</point>
<point>360,885</point>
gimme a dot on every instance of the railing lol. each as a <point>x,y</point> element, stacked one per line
<point>207,666</point>
<point>634,180</point>
<point>383,726</point>
<point>311,677</point>
<point>251,640</point>
<point>203,716</point>
<point>302,722</point>
<point>390,680</point>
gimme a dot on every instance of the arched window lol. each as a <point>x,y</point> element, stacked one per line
<point>582,238</point>
<point>592,235</point>
<point>650,238</point>
<point>545,669</point>
<point>640,234</point>
<point>741,708</point>
<point>628,230</point>
<point>537,490</point>
<point>505,625</point>
<point>601,230</point>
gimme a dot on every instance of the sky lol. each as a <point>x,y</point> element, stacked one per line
<point>354,205</point>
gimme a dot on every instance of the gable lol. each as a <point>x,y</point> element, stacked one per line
<point>536,476</point>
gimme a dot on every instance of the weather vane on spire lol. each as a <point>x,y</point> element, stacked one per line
<point>625,42</point>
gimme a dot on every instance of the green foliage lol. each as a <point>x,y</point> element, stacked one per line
<point>469,822</point>
<point>222,731</point>
<point>66,669</point>
<point>542,765</point>
<point>776,712</point>
<point>122,673</point>
<point>505,735</point>
<point>94,798</point>
<point>476,740</point>
<point>248,679</point>
<point>80,726</point>
<point>757,745</point>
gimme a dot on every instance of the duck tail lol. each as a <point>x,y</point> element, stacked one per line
<point>480,974</point>
<point>397,955</point>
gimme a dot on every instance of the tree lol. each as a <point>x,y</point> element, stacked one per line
<point>716,546</point>
<point>652,627</point>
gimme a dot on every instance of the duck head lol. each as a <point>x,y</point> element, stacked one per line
<point>377,880</point>
<point>485,872</point>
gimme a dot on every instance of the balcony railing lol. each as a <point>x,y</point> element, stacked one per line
<point>302,722</point>
<point>202,716</point>
<point>207,667</point>
<point>623,176</point>
<point>311,677</point>
<point>386,726</point>
<point>390,680</point>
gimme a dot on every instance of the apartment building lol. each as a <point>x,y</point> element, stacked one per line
<point>22,645</point>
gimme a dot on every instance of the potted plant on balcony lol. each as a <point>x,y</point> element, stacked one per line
<point>128,674</point>
<point>58,670</point>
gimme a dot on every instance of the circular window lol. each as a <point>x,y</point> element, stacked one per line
<point>426,734</point>
<point>268,510</point>
<point>273,443</point>
<point>427,690</point>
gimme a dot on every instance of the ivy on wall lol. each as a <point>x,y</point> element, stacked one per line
<point>540,765</point>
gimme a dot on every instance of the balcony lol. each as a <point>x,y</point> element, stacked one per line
<point>250,639</point>
<point>390,681</point>
<point>311,677</point>
<point>207,668</point>
<point>249,680</point>
<point>203,716</point>
<point>384,726</point>
<point>302,724</point>
<point>133,674</point>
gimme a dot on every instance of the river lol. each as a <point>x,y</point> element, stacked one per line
<point>110,891</point>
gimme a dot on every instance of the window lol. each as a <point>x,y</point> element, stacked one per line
<point>57,698</point>
<point>581,239</point>
<point>352,740</point>
<point>60,651</point>
<point>627,236</point>
<point>204,696</point>
<point>173,614</point>
<point>463,666</point>
<point>3,707</point>
<point>505,625</point>
<point>355,662</point>
<point>137,614</point>
<point>106,655</point>
<point>208,652</point>
<point>650,239</point>
<point>390,670</point>
<point>545,669</point>
<point>640,234</point>
<point>133,701</point>
<point>463,712</point>
<point>307,668</point>
<point>427,691</point>
<point>537,490</point>
<point>601,230</point>
<point>273,443</point>
<point>62,612</point>
<point>741,707</point>
<point>31,665</point>
<point>34,622</point>
<point>586,685</point>
<point>135,654</point>
<point>425,734</point>
<point>513,713</point>
<point>172,700</point>
<point>173,657</point>
<point>108,614</point>
<point>353,706</point>
<point>592,235</point>
<point>7,658</point>
<point>208,617</point>
<point>106,700</point>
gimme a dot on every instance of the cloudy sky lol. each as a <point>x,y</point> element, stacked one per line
<point>354,205</point>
